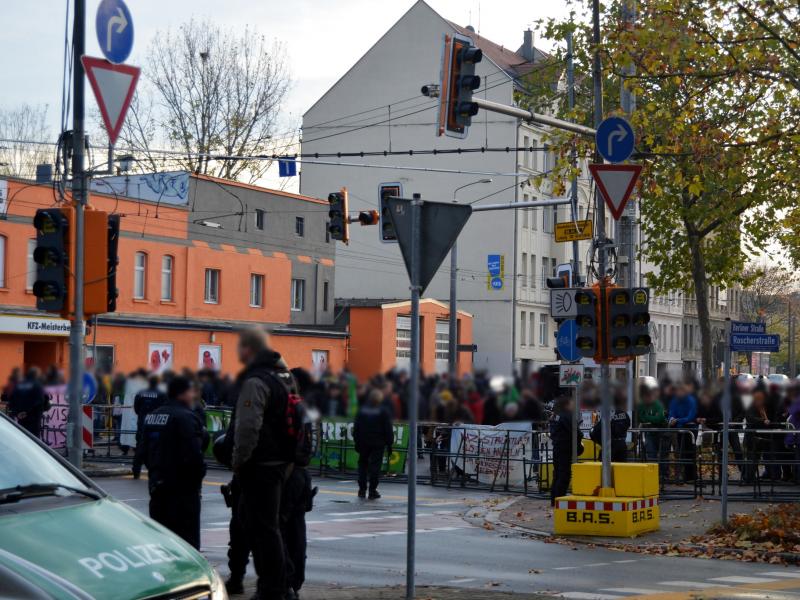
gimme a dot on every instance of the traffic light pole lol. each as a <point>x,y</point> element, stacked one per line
<point>726,423</point>
<point>74,429</point>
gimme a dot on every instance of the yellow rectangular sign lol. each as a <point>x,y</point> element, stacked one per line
<point>568,232</point>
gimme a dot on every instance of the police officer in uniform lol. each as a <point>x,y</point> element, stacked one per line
<point>372,434</point>
<point>620,424</point>
<point>27,402</point>
<point>172,447</point>
<point>561,438</point>
<point>145,402</point>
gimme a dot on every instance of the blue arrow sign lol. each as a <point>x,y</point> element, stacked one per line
<point>614,139</point>
<point>114,26</point>
<point>565,340</point>
<point>89,386</point>
<point>755,342</point>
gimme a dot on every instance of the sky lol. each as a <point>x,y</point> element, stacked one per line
<point>323,38</point>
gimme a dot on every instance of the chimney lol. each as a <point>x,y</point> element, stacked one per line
<point>527,45</point>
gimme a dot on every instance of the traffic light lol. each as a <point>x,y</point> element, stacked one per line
<point>640,320</point>
<point>388,190</point>
<point>112,263</point>
<point>54,231</point>
<point>339,226</point>
<point>95,263</point>
<point>369,217</point>
<point>458,82</point>
<point>587,338</point>
<point>619,323</point>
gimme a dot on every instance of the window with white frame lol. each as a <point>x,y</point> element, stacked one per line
<point>260,219</point>
<point>139,275</point>
<point>533,270</point>
<point>211,294</point>
<point>300,226</point>
<point>524,269</point>
<point>298,294</point>
<point>547,220</point>
<point>525,198</point>
<point>526,143</point>
<point>522,329</point>
<point>256,290</point>
<point>543,327</point>
<point>532,327</point>
<point>30,266</point>
<point>545,264</point>
<point>167,265</point>
<point>403,340</point>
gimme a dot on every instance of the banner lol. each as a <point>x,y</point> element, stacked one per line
<point>493,453</point>
<point>54,423</point>
<point>159,357</point>
<point>338,446</point>
<point>209,356</point>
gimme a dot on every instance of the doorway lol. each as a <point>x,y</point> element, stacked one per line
<point>40,354</point>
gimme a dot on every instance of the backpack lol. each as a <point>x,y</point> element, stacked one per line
<point>301,437</point>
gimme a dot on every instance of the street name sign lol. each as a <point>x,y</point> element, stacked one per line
<point>572,231</point>
<point>615,184</point>
<point>755,342</point>
<point>562,303</point>
<point>741,327</point>
<point>114,26</point>
<point>113,87</point>
<point>615,139</point>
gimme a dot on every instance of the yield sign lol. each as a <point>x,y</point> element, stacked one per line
<point>615,183</point>
<point>113,87</point>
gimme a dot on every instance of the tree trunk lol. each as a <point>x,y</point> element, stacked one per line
<point>701,297</point>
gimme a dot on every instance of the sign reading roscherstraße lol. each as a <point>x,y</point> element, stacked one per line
<point>755,342</point>
<point>33,325</point>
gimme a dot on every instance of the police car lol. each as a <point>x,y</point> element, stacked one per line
<point>62,537</point>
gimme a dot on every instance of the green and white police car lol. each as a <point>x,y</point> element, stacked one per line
<point>62,537</point>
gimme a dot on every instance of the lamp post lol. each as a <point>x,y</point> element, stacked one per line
<point>452,341</point>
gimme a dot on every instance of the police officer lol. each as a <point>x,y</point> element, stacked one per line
<point>620,424</point>
<point>145,402</point>
<point>261,455</point>
<point>172,446</point>
<point>561,438</point>
<point>28,401</point>
<point>372,434</point>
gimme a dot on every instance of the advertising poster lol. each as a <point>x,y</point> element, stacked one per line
<point>209,357</point>
<point>159,357</point>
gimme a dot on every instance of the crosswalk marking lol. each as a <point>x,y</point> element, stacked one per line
<point>790,575</point>
<point>633,591</point>
<point>327,539</point>
<point>699,585</point>
<point>589,596</point>
<point>463,580</point>
<point>356,512</point>
<point>741,579</point>
<point>359,535</point>
<point>377,533</point>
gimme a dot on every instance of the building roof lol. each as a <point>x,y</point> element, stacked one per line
<point>257,188</point>
<point>384,303</point>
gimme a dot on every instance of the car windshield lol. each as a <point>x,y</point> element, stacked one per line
<point>23,462</point>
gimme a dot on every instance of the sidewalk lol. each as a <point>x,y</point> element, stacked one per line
<point>317,592</point>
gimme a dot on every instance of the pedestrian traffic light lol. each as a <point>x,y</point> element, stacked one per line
<point>618,313</point>
<point>54,232</point>
<point>95,263</point>
<point>339,226</point>
<point>112,262</point>
<point>368,217</point>
<point>458,82</point>
<point>388,190</point>
<point>587,338</point>
<point>640,321</point>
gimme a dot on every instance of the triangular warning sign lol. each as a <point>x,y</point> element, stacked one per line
<point>615,183</point>
<point>113,87</point>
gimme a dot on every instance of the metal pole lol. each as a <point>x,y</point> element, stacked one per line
<point>792,348</point>
<point>413,401</point>
<point>526,115</point>
<point>74,435</point>
<point>517,205</point>
<point>452,341</point>
<point>726,421</point>
<point>605,395</point>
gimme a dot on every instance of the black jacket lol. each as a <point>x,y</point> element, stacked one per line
<point>145,402</point>
<point>372,428</point>
<point>620,423</point>
<point>561,432</point>
<point>172,448</point>
<point>29,398</point>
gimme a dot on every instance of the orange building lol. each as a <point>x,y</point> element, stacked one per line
<point>380,336</point>
<point>199,259</point>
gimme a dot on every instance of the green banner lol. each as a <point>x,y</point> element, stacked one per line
<point>337,447</point>
<point>217,420</point>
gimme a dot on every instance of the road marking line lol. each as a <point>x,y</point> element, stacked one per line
<point>700,585</point>
<point>741,579</point>
<point>633,591</point>
<point>625,562</point>
<point>446,528</point>
<point>356,512</point>
<point>214,529</point>
<point>443,503</point>
<point>781,574</point>
<point>597,565</point>
<point>390,533</point>
<point>589,596</point>
<point>564,568</point>
<point>466,580</point>
<point>326,539</point>
<point>359,535</point>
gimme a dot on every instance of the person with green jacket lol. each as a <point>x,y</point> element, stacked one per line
<point>651,413</point>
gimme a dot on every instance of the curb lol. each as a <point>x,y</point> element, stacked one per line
<point>95,472</point>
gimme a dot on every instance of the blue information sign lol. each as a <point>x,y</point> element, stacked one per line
<point>89,388</point>
<point>114,26</point>
<point>740,327</point>
<point>565,340</point>
<point>755,342</point>
<point>614,139</point>
<point>494,263</point>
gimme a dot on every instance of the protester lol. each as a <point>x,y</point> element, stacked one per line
<point>650,414</point>
<point>145,402</point>
<point>172,449</point>
<point>757,439</point>
<point>373,435</point>
<point>682,415</point>
<point>28,402</point>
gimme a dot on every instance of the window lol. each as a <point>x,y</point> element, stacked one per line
<point>256,290</point>
<point>524,269</point>
<point>325,294</point>
<point>442,349</point>
<point>139,275</point>
<point>298,294</point>
<point>525,198</point>
<point>547,221</point>
<point>533,270</point>
<point>300,226</point>
<point>532,327</point>
<point>534,216</point>
<point>211,295</point>
<point>526,143</point>
<point>553,265</point>
<point>327,232</point>
<point>403,341</point>
<point>522,330</point>
<point>30,273</point>
<point>2,261</point>
<point>545,264</point>
<point>260,219</point>
<point>543,326</point>
<point>167,263</point>
<point>555,216</point>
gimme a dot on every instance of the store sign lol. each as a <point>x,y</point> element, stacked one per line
<point>34,326</point>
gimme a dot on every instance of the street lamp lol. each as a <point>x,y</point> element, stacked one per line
<point>452,341</point>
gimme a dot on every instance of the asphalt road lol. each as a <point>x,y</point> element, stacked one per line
<point>362,543</point>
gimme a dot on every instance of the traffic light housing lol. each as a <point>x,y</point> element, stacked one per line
<point>368,217</point>
<point>458,82</point>
<point>54,233</point>
<point>588,336</point>
<point>640,321</point>
<point>339,225</point>
<point>388,190</point>
<point>112,262</point>
<point>618,313</point>
<point>95,263</point>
